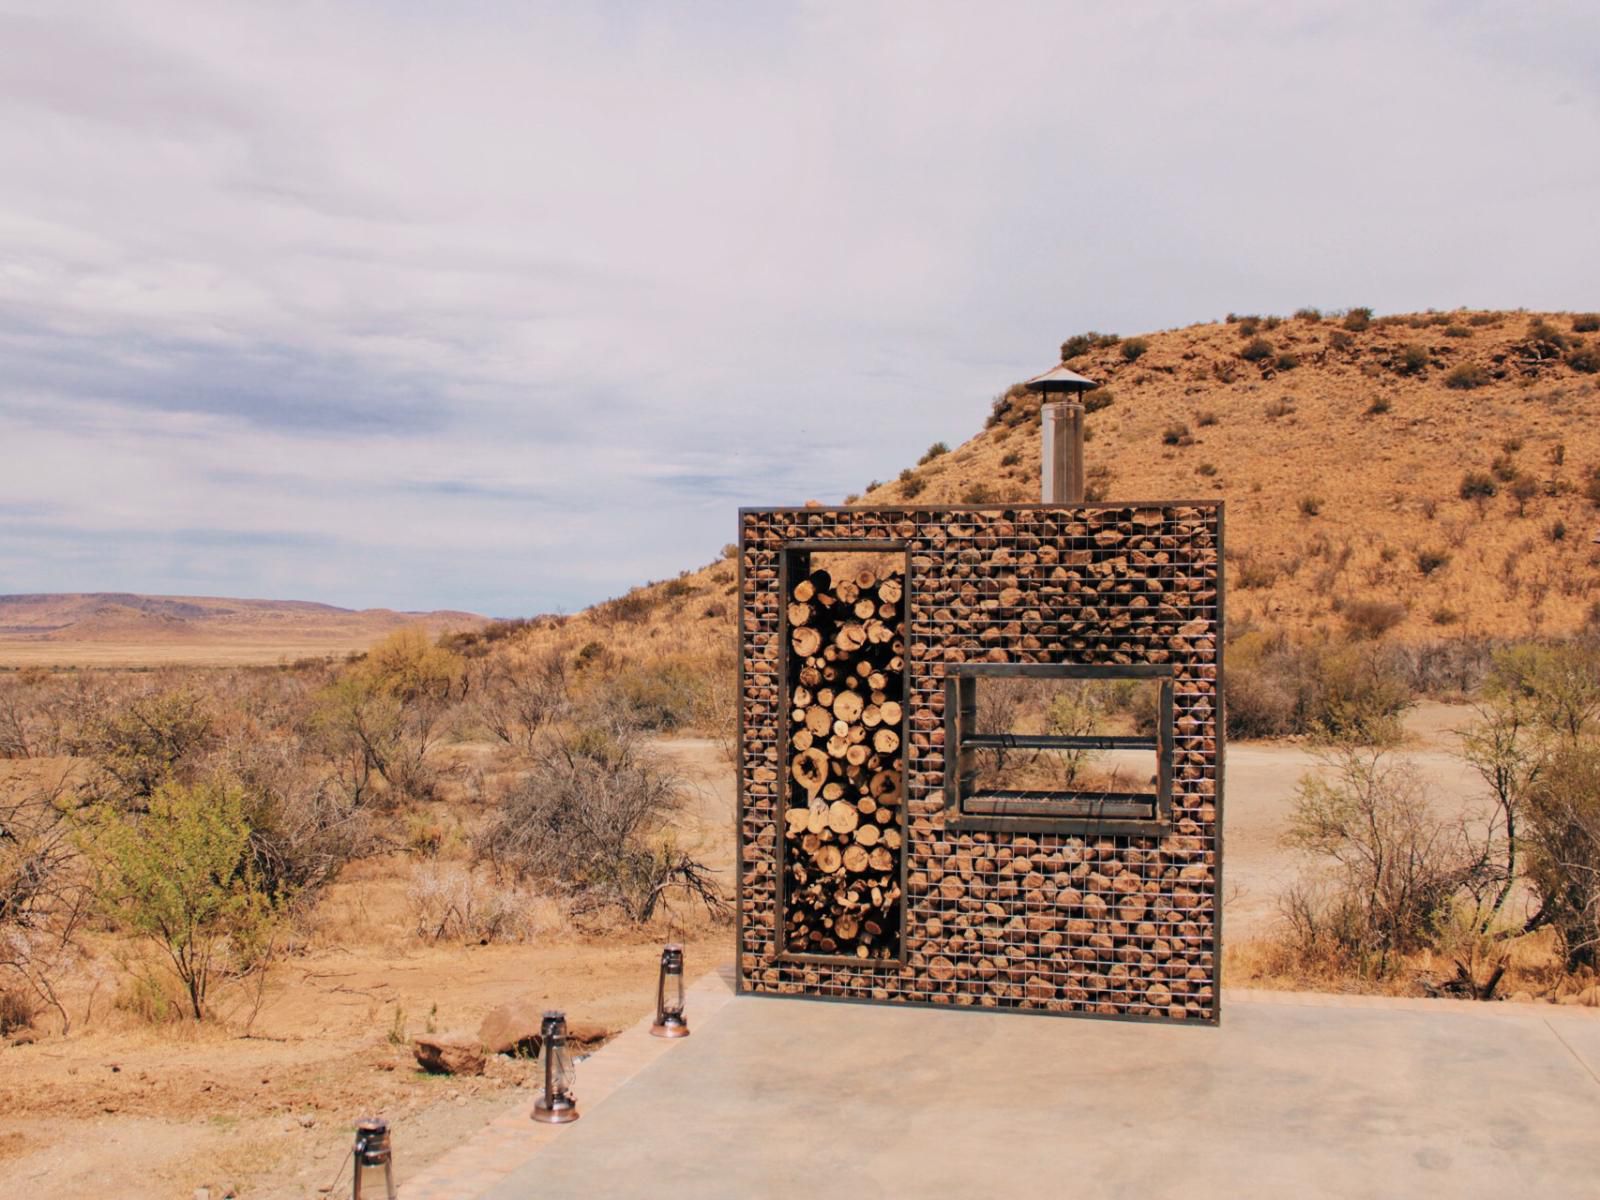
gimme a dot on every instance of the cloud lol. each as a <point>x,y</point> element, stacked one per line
<point>508,307</point>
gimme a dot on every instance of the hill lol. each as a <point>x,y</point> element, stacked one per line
<point>1430,476</point>
<point>123,629</point>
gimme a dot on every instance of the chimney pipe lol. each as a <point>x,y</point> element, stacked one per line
<point>1061,471</point>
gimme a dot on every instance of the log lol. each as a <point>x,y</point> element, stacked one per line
<point>842,816</point>
<point>847,706</point>
<point>806,641</point>
<point>891,712</point>
<point>810,770</point>
<point>829,859</point>
<point>855,858</point>
<point>804,590</point>
<point>885,741</point>
<point>850,638</point>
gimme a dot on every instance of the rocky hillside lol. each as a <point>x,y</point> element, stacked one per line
<point>1429,476</point>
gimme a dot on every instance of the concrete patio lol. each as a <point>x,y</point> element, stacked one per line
<point>1293,1095</point>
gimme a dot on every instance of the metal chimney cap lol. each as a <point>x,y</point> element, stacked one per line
<point>1060,379</point>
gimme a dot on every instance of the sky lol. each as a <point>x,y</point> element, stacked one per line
<point>508,307</point>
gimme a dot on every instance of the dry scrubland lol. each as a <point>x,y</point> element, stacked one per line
<point>322,862</point>
<point>400,841</point>
<point>117,629</point>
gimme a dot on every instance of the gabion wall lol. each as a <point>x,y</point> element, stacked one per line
<point>1121,924</point>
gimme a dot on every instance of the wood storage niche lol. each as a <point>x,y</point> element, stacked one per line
<point>842,854</point>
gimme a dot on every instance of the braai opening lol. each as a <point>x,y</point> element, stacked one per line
<point>1058,748</point>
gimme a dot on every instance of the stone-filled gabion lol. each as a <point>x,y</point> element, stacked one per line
<point>1071,921</point>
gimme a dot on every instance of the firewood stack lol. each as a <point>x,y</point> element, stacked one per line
<point>842,828</point>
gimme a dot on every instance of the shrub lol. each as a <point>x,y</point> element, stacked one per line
<point>913,487</point>
<point>1286,361</point>
<point>451,902</point>
<point>1176,435</point>
<point>1503,467</point>
<point>1340,340</point>
<point>1429,561</point>
<point>143,741</point>
<point>1082,343</point>
<point>1557,531</point>
<point>1279,408</point>
<point>937,450</point>
<point>1586,322</point>
<point>1484,318</point>
<point>1457,331</point>
<point>1389,869</point>
<point>592,817</point>
<point>1562,836</point>
<point>1256,349</point>
<point>1585,359</point>
<point>1308,314</point>
<point>1357,319</point>
<point>1476,484</point>
<point>1444,615</point>
<point>1411,360</point>
<point>1097,398</point>
<point>1545,336</point>
<point>1466,376</point>
<point>1371,619</point>
<point>1206,469</point>
<point>180,875</point>
<point>1097,484</point>
<point>1310,506</point>
<point>1523,488</point>
<point>978,493</point>
<point>1134,348</point>
<point>1205,418</point>
<point>1010,458</point>
<point>1379,406</point>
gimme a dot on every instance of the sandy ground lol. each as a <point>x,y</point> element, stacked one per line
<point>138,1112</point>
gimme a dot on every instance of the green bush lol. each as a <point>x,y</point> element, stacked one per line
<point>1134,348</point>
<point>180,874</point>
<point>937,450</point>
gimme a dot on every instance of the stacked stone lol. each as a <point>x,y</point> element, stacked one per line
<point>1122,925</point>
